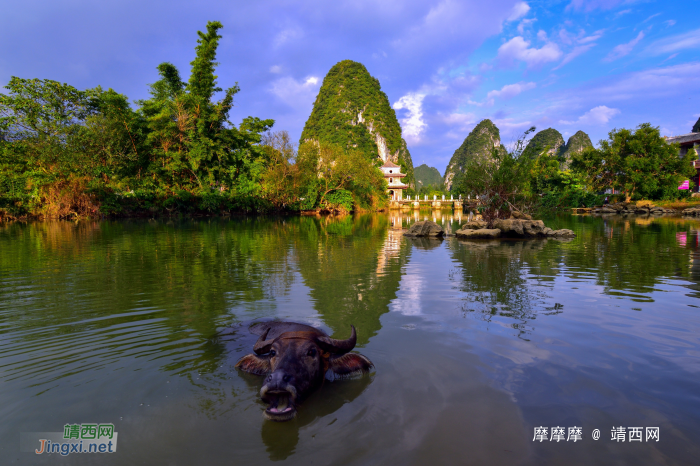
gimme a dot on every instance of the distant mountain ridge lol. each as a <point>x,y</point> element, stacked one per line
<point>352,111</point>
<point>485,137</point>
<point>427,176</point>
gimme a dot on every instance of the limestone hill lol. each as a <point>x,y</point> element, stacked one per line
<point>427,176</point>
<point>549,139</point>
<point>478,145</point>
<point>352,111</point>
<point>574,145</point>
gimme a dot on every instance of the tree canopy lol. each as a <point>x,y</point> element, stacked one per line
<point>639,163</point>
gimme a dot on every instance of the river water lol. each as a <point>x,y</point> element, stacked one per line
<point>476,344</point>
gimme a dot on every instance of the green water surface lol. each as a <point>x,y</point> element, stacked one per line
<point>475,343</point>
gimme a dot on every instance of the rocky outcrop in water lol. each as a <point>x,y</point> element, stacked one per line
<point>625,208</point>
<point>513,228</point>
<point>425,228</point>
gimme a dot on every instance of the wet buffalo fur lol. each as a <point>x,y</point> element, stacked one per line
<point>346,365</point>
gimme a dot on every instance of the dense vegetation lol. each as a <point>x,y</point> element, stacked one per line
<point>351,111</point>
<point>478,147</point>
<point>428,178</point>
<point>66,152</point>
<point>535,176</point>
<point>549,140</point>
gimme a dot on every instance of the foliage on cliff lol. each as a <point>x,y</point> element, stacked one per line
<point>549,140</point>
<point>427,176</point>
<point>575,145</point>
<point>479,147</point>
<point>320,176</point>
<point>351,111</point>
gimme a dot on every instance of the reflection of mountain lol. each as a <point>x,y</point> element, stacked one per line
<point>353,274</point>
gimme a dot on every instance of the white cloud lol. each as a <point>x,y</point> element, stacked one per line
<point>670,22</point>
<point>413,125</point>
<point>650,17</point>
<point>622,12</point>
<point>590,5</point>
<point>541,35</point>
<point>276,69</point>
<point>581,49</point>
<point>592,38</point>
<point>286,35</point>
<point>519,49</point>
<point>596,116</point>
<point>519,10</point>
<point>624,49</point>
<point>524,24</point>
<point>296,93</point>
<point>511,90</point>
<point>688,40</point>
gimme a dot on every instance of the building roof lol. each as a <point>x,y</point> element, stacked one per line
<point>389,164</point>
<point>684,138</point>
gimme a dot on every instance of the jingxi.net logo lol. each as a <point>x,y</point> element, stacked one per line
<point>75,438</point>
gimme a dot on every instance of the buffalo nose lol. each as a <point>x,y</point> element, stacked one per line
<point>278,380</point>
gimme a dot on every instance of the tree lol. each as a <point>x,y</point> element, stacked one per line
<point>498,183</point>
<point>640,163</point>
<point>339,178</point>
<point>191,138</point>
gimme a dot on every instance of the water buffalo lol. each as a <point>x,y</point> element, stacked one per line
<point>295,358</point>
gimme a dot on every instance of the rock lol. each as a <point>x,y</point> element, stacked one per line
<point>607,210</point>
<point>692,211</point>
<point>517,227</point>
<point>425,228</point>
<point>519,215</point>
<point>483,233</point>
<point>474,225</point>
<point>563,233</point>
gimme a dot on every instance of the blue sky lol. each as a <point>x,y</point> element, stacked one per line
<point>445,65</point>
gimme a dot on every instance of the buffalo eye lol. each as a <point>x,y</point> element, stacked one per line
<point>311,352</point>
<point>273,353</point>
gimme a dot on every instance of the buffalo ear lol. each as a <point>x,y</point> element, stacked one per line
<point>258,365</point>
<point>350,363</point>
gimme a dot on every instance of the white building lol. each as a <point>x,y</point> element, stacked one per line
<point>393,175</point>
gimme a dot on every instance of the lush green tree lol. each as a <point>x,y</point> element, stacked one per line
<point>640,163</point>
<point>339,178</point>
<point>193,143</point>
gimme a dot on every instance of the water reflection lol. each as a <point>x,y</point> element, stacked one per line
<point>115,320</point>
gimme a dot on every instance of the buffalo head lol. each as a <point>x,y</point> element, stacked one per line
<point>294,359</point>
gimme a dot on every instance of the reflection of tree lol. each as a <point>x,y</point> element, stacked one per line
<point>626,256</point>
<point>104,290</point>
<point>492,275</point>
<point>353,269</point>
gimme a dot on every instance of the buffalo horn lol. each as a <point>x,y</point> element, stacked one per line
<point>338,346</point>
<point>262,346</point>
